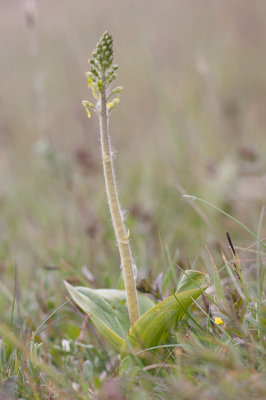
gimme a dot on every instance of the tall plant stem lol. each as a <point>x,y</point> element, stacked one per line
<point>120,232</point>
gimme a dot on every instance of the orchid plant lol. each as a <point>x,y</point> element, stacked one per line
<point>130,321</point>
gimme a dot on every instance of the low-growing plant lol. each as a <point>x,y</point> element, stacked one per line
<point>129,320</point>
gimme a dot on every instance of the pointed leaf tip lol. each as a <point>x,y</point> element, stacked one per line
<point>193,280</point>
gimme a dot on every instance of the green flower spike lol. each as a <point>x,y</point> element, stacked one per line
<point>102,74</point>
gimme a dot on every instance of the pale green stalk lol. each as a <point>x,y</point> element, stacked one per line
<point>122,236</point>
<point>100,78</point>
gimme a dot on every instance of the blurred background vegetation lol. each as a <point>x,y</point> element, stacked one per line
<point>192,113</point>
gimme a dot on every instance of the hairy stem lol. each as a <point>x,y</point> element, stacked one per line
<point>120,232</point>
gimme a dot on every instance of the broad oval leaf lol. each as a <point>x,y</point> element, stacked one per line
<point>153,327</point>
<point>108,310</point>
<point>192,280</point>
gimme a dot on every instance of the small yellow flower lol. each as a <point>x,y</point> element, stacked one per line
<point>218,321</point>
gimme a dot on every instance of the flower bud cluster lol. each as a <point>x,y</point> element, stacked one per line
<point>102,59</point>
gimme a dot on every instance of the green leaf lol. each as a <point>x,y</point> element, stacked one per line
<point>153,327</point>
<point>192,280</point>
<point>108,310</point>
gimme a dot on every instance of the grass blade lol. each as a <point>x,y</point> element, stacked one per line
<point>227,215</point>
